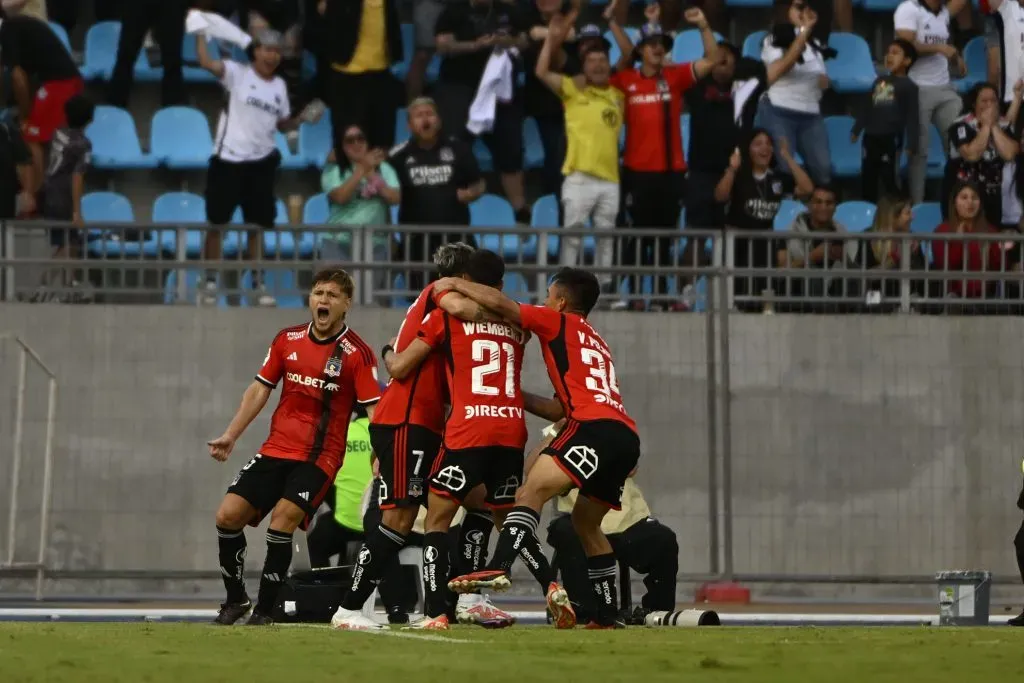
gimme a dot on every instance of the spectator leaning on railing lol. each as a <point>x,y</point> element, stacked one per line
<point>654,167</point>
<point>822,246</point>
<point>925,24</point>
<point>360,186</point>
<point>243,168</point>
<point>966,217</point>
<point>593,120</point>
<point>888,253</point>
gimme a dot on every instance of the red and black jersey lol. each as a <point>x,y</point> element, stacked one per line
<point>484,362</point>
<point>579,365</point>
<point>323,379</point>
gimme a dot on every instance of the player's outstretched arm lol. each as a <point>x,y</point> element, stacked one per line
<point>401,364</point>
<point>253,400</point>
<point>548,408</point>
<point>462,307</point>
<point>488,297</point>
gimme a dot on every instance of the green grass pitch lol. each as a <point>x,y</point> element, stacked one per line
<point>189,653</point>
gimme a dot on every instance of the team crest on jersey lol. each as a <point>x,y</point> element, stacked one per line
<point>333,368</point>
<point>447,156</point>
<point>777,187</point>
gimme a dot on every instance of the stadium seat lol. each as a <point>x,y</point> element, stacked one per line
<point>281,245</point>
<point>483,156</point>
<point>493,211</point>
<point>936,155</point>
<point>545,215</point>
<point>401,69</point>
<point>752,45</point>
<point>193,278</point>
<point>515,286</point>
<point>115,141</point>
<point>748,3</point>
<point>927,217</point>
<point>533,148</point>
<point>106,208</point>
<point>101,49</point>
<point>181,208</point>
<point>281,284</point>
<point>317,211</point>
<point>195,74</point>
<point>291,161</point>
<point>180,138</point>
<point>315,140</point>
<point>853,70</point>
<point>846,155</point>
<point>788,212</point>
<point>977,65</point>
<point>62,34</point>
<point>689,47</point>
<point>401,126</point>
<point>855,216</point>
<point>684,126</point>
<point>880,5</point>
<point>308,66</point>
<point>615,53</point>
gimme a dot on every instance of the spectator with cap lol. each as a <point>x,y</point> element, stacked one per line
<point>468,33</point>
<point>654,168</point>
<point>166,18</point>
<point>722,107</point>
<point>791,110</point>
<point>364,40</point>
<point>593,120</point>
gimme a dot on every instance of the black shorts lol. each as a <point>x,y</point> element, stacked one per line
<point>407,454</point>
<point>265,480</point>
<point>498,468</point>
<point>598,456</point>
<point>245,184</point>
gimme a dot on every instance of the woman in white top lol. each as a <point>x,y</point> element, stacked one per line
<point>791,109</point>
<point>925,23</point>
<point>243,168</point>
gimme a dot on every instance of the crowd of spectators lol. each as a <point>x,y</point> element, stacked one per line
<point>755,126</point>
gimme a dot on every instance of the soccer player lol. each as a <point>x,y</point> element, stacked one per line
<point>596,451</point>
<point>406,436</point>
<point>485,433</point>
<point>326,368</point>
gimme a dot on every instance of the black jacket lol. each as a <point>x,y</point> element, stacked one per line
<point>342,20</point>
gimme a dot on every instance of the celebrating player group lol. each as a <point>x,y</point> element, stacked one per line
<point>448,431</point>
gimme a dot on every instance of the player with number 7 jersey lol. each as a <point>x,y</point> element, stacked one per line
<point>596,451</point>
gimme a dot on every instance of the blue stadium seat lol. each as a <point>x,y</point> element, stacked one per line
<point>408,48</point>
<point>689,47</point>
<point>194,74</point>
<point>752,45</point>
<point>401,126</point>
<point>927,217</point>
<point>291,161</point>
<point>748,3</point>
<point>788,212</point>
<point>684,124</point>
<point>545,215</point>
<point>180,208</point>
<point>101,49</point>
<point>976,59</point>
<point>846,155</point>
<point>193,278</point>
<point>115,141</point>
<point>533,156</point>
<point>317,211</point>
<point>483,156</point>
<point>855,216</point>
<point>180,138</point>
<point>515,286</point>
<point>936,155</point>
<point>281,284</point>
<point>308,65</point>
<point>614,54</point>
<point>315,140</point>
<point>880,5</point>
<point>106,208</point>
<point>62,34</point>
<point>853,71</point>
<point>493,211</point>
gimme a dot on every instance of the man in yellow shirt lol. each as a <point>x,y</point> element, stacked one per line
<point>593,122</point>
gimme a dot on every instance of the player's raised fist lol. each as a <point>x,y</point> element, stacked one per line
<point>696,17</point>
<point>221,447</point>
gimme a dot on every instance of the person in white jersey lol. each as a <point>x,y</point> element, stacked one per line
<point>1005,38</point>
<point>925,24</point>
<point>243,168</point>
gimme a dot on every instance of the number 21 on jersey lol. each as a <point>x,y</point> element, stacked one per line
<point>601,382</point>
<point>488,353</point>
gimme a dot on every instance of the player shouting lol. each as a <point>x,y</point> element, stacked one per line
<point>596,450</point>
<point>485,433</point>
<point>406,436</point>
<point>326,368</point>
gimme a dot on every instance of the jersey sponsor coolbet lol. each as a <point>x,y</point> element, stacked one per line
<point>420,397</point>
<point>245,130</point>
<point>323,379</point>
<point>484,362</point>
<point>653,108</point>
<point>579,364</point>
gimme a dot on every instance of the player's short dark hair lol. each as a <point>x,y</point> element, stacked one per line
<point>486,268</point>
<point>581,288</point>
<point>451,259</point>
<point>79,111</point>
<point>907,48</point>
<point>338,277</point>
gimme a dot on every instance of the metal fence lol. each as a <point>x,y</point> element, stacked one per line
<point>838,448</point>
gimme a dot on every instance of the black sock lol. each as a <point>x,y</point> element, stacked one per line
<point>231,552</point>
<point>519,537</point>
<point>435,573</point>
<point>275,569</point>
<point>474,536</point>
<point>602,570</point>
<point>380,547</point>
